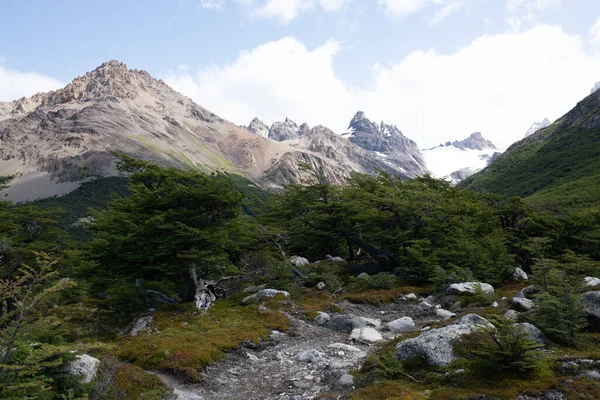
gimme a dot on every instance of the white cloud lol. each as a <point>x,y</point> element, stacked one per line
<point>595,36</point>
<point>333,5</point>
<point>443,8</point>
<point>212,4</point>
<point>523,12</point>
<point>497,85</point>
<point>16,84</point>
<point>283,10</point>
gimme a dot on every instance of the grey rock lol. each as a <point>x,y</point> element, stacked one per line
<point>264,294</point>
<point>363,275</point>
<point>372,322</point>
<point>512,315</point>
<point>456,306</point>
<point>591,374</point>
<point>85,366</point>
<point>536,126</point>
<point>285,130</point>
<point>140,324</point>
<point>311,356</point>
<point>436,344</point>
<point>591,301</point>
<point>474,142</point>
<point>297,261</point>
<point>522,304</point>
<point>344,323</point>
<point>519,275</point>
<point>470,287</point>
<point>569,367</point>
<point>254,289</point>
<point>410,297</point>
<point>495,304</point>
<point>258,127</point>
<point>429,301</point>
<point>366,334</point>
<point>336,259</point>
<point>159,297</point>
<point>320,285</point>
<point>304,129</point>
<point>345,380</point>
<point>591,281</point>
<point>444,314</point>
<point>533,332</point>
<point>322,318</point>
<point>527,292</point>
<point>401,325</point>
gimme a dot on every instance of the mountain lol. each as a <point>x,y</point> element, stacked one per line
<point>280,130</point>
<point>536,126</point>
<point>595,87</point>
<point>51,142</point>
<point>457,160</point>
<point>557,166</point>
<point>258,127</point>
<point>388,143</point>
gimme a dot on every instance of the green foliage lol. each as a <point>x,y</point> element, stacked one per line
<point>383,281</point>
<point>27,362</point>
<point>479,298</point>
<point>501,350</point>
<point>172,222</point>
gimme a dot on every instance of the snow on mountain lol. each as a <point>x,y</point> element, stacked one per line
<point>536,126</point>
<point>459,159</point>
<point>596,87</point>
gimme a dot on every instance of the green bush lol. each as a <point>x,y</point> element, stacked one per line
<point>383,281</point>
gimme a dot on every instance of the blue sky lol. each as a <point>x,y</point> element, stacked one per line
<point>439,69</point>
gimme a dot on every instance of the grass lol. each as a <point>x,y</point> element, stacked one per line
<point>132,383</point>
<point>189,341</point>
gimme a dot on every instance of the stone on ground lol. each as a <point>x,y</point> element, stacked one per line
<point>470,287</point>
<point>311,356</point>
<point>344,323</point>
<point>322,318</point>
<point>363,275</point>
<point>512,315</point>
<point>590,281</point>
<point>533,332</point>
<point>85,366</point>
<point>444,314</point>
<point>345,380</point>
<point>264,294</point>
<point>591,300</point>
<point>401,325</point>
<point>298,261</point>
<point>519,275</point>
<point>522,304</point>
<point>366,334</point>
<point>436,344</point>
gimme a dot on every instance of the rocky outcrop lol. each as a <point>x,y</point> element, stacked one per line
<point>264,294</point>
<point>84,366</point>
<point>595,87</point>
<point>388,142</point>
<point>591,300</point>
<point>474,142</point>
<point>519,275</point>
<point>436,344</point>
<point>470,288</point>
<point>285,130</point>
<point>257,127</point>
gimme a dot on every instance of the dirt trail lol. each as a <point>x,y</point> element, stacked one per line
<point>300,364</point>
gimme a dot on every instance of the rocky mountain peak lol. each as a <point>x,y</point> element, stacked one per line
<point>475,141</point>
<point>285,130</point>
<point>360,123</point>
<point>595,87</point>
<point>536,126</point>
<point>110,80</point>
<point>258,127</point>
<point>304,129</point>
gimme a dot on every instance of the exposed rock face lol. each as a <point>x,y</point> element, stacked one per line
<point>436,344</point>
<point>536,126</point>
<point>470,287</point>
<point>387,140</point>
<point>258,127</point>
<point>52,141</point>
<point>474,142</point>
<point>304,129</point>
<point>591,300</point>
<point>84,366</point>
<point>285,130</point>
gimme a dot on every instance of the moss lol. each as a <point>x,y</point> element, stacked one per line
<point>132,383</point>
<point>386,390</point>
<point>189,341</point>
<point>375,297</point>
<point>313,300</point>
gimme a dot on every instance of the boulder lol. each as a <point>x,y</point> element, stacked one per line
<point>436,344</point>
<point>512,315</point>
<point>410,297</point>
<point>519,275</point>
<point>401,325</point>
<point>336,259</point>
<point>591,374</point>
<point>470,288</point>
<point>344,323</point>
<point>590,281</point>
<point>345,380</point>
<point>495,304</point>
<point>298,261</point>
<point>522,304</point>
<point>363,275</point>
<point>322,318</point>
<point>311,356</point>
<point>264,294</point>
<point>254,289</point>
<point>85,366</point>
<point>320,285</point>
<point>372,322</point>
<point>353,351</point>
<point>444,314</point>
<point>532,331</point>
<point>366,334</point>
<point>140,324</point>
<point>428,301</point>
<point>591,300</point>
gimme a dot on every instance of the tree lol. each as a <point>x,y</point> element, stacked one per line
<point>175,225</point>
<point>24,362</point>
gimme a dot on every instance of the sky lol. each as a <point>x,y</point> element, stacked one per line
<point>437,69</point>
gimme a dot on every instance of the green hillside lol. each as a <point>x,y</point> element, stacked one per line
<point>558,168</point>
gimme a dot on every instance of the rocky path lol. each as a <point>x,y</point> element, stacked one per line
<point>307,360</point>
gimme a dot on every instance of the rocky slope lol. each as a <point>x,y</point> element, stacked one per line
<point>52,141</point>
<point>388,143</point>
<point>458,160</point>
